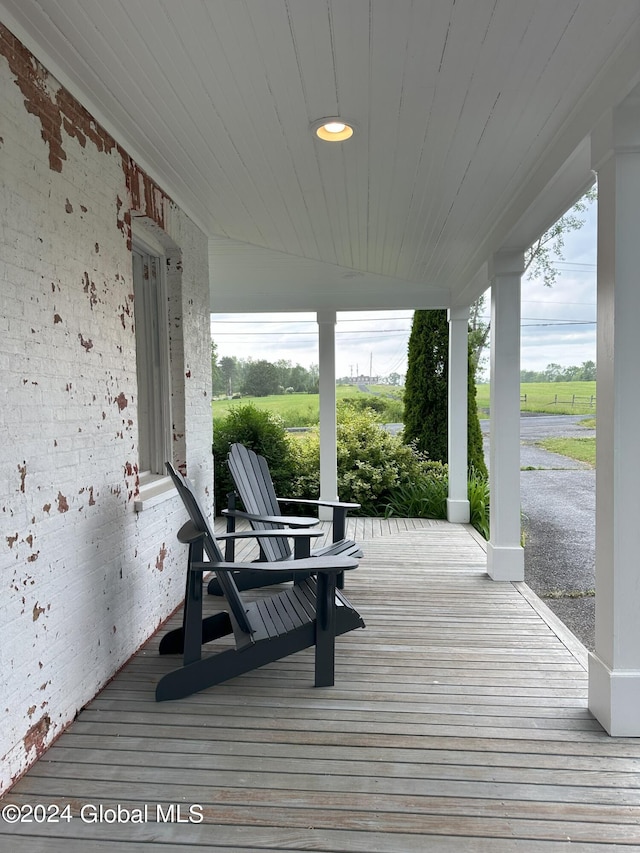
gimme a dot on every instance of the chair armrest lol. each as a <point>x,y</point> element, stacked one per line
<point>324,565</point>
<point>318,502</point>
<point>189,533</point>
<point>302,539</point>
<point>340,510</point>
<point>269,534</point>
<point>287,520</point>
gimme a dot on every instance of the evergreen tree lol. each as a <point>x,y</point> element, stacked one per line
<point>217,381</point>
<point>426,391</point>
<point>228,369</point>
<point>475,448</point>
<point>261,379</point>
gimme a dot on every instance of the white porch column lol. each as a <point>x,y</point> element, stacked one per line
<point>458,499</point>
<point>328,429</point>
<point>614,668</point>
<point>505,555</point>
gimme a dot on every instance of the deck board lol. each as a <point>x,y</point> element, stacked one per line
<point>458,722</point>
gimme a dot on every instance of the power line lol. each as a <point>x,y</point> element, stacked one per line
<point>555,302</point>
<point>375,332</point>
<point>304,322</point>
<point>560,323</point>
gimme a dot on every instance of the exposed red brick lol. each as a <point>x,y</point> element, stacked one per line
<point>35,737</point>
<point>122,401</point>
<point>146,196</point>
<point>58,111</point>
<point>90,289</point>
<point>161,558</point>
<point>87,344</point>
<point>130,470</point>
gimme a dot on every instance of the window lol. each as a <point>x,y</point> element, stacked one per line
<point>152,360</point>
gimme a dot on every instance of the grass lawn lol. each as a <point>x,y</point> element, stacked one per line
<point>558,398</point>
<point>554,398</point>
<point>294,409</point>
<point>301,407</point>
<point>582,449</point>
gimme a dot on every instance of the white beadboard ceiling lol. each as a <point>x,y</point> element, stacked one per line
<point>470,117</point>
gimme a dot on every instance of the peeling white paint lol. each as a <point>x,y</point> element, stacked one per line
<point>77,598</point>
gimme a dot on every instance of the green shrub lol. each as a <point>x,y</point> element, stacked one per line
<point>478,492</point>
<point>371,462</point>
<point>424,497</point>
<point>300,417</point>
<point>261,431</point>
<point>375,469</point>
<point>389,410</point>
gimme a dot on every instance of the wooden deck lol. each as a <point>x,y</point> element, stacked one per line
<point>458,722</point>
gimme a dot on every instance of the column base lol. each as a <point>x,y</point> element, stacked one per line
<point>325,513</point>
<point>505,563</point>
<point>614,698</point>
<point>458,511</point>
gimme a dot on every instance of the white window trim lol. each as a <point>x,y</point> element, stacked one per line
<point>155,488</point>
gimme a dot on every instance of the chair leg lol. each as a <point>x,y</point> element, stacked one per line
<point>325,630</point>
<point>339,528</point>
<point>220,667</point>
<point>213,627</point>
<point>195,630</point>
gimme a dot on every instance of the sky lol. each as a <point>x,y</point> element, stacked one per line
<point>558,324</point>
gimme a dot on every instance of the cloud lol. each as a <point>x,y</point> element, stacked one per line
<point>368,340</point>
<point>559,322</point>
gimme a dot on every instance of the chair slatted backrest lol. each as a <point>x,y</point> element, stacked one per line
<point>253,483</point>
<point>213,552</point>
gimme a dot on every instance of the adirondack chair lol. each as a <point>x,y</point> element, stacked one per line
<point>310,613</point>
<point>254,486</point>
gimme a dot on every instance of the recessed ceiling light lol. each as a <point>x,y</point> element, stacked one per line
<point>333,129</point>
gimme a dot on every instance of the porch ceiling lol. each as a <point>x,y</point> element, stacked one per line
<point>465,113</point>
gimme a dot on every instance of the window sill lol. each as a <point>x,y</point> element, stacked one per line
<point>153,492</point>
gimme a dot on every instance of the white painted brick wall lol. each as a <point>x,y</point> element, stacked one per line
<point>79,585</point>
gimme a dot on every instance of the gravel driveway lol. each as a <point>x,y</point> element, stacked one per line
<point>558,506</point>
